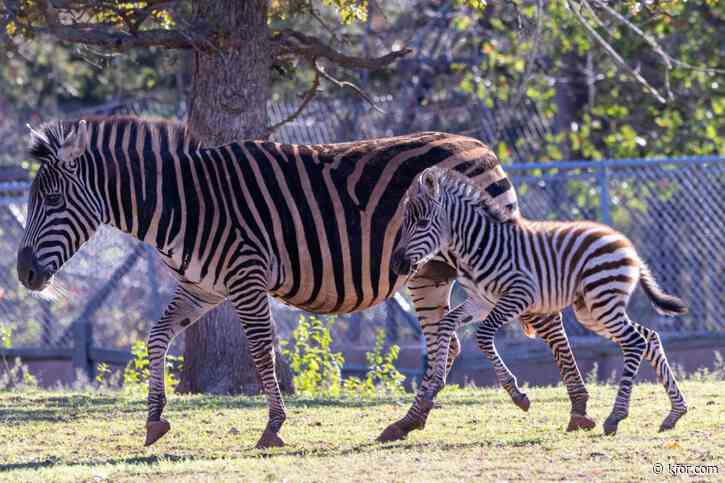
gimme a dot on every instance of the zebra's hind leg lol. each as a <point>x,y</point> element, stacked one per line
<point>430,298</point>
<point>187,306</point>
<point>253,309</point>
<point>655,354</point>
<point>550,327</point>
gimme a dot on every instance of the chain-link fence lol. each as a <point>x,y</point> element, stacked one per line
<point>671,209</point>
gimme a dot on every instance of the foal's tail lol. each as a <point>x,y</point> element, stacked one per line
<point>663,303</point>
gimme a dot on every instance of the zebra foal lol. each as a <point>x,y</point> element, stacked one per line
<point>529,268</point>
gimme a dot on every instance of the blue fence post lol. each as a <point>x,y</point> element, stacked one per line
<point>603,179</point>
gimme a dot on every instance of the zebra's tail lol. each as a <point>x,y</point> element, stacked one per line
<point>663,303</point>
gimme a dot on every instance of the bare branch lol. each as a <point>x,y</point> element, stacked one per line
<point>342,84</point>
<point>290,42</point>
<point>309,95</point>
<point>610,50</point>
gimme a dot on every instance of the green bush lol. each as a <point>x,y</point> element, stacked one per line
<point>318,370</point>
<point>14,375</point>
<point>138,371</point>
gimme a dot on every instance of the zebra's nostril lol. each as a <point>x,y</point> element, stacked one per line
<point>31,276</point>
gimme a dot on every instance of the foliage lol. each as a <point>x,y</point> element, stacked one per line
<point>15,375</point>
<point>318,370</point>
<point>137,373</point>
<point>316,367</point>
<point>382,379</point>
<point>475,435</point>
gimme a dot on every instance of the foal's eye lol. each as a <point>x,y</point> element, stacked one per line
<point>422,223</point>
<point>54,199</point>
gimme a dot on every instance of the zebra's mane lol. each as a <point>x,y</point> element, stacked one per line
<point>47,139</point>
<point>462,187</point>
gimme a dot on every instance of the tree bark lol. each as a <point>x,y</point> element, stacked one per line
<point>228,102</point>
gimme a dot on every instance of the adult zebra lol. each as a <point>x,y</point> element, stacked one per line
<point>313,225</point>
<point>528,268</point>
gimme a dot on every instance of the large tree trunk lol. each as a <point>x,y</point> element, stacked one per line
<point>230,90</point>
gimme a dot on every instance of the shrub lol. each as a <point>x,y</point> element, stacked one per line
<point>318,370</point>
<point>16,374</point>
<point>137,373</point>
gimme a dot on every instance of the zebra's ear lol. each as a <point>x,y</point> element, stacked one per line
<point>75,143</point>
<point>430,183</point>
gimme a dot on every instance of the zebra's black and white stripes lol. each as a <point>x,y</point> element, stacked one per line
<point>528,268</point>
<point>314,225</point>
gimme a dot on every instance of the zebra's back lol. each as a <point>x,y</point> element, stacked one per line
<point>336,209</point>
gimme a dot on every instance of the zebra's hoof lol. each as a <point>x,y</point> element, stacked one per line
<point>155,430</point>
<point>392,433</point>
<point>269,440</point>
<point>670,422</point>
<point>522,401</point>
<point>610,426</point>
<point>577,422</point>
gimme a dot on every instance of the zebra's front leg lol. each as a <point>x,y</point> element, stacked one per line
<point>187,306</point>
<point>430,297</point>
<point>550,327</point>
<point>253,309</point>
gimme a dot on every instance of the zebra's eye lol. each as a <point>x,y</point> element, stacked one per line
<point>422,223</point>
<point>54,200</point>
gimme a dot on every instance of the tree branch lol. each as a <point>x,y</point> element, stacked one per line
<point>290,42</point>
<point>610,50</point>
<point>309,95</point>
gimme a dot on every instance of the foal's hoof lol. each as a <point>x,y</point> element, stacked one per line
<point>392,433</point>
<point>155,430</point>
<point>610,426</point>
<point>577,422</point>
<point>522,401</point>
<point>269,440</point>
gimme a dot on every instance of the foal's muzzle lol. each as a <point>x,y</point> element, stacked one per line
<point>31,274</point>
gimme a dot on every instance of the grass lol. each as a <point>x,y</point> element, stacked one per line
<point>476,434</point>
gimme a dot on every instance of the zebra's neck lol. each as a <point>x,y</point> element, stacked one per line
<point>141,189</point>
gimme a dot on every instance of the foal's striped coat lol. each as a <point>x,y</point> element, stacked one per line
<point>530,267</point>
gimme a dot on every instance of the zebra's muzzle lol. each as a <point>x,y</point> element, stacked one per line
<point>30,273</point>
<point>399,263</point>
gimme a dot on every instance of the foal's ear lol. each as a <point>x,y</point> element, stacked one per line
<point>75,143</point>
<point>430,183</point>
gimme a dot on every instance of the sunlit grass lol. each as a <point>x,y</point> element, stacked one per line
<point>476,434</point>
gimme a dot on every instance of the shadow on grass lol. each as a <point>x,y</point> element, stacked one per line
<point>367,447</point>
<point>136,460</point>
<point>80,406</point>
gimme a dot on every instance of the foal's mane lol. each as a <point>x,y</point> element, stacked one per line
<point>463,188</point>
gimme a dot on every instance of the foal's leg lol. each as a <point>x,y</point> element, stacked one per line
<point>611,321</point>
<point>187,306</point>
<point>551,328</point>
<point>655,354</point>
<point>485,335</point>
<point>430,298</point>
